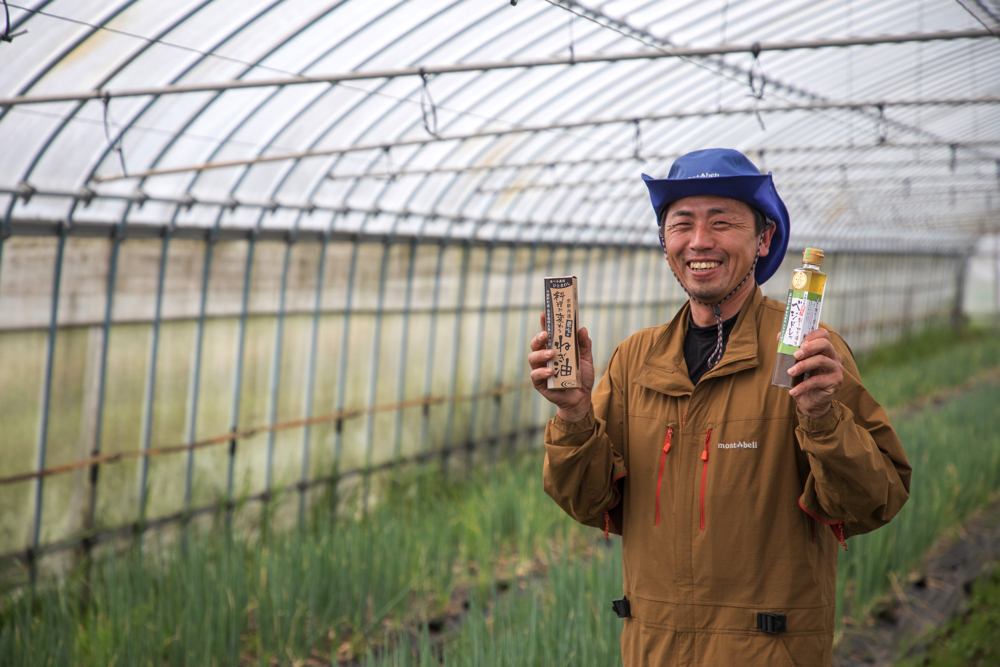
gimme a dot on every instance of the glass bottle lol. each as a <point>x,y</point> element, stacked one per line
<point>802,310</point>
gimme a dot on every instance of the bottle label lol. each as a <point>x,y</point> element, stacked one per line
<point>801,318</point>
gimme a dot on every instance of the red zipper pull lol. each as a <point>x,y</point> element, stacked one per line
<point>659,477</point>
<point>704,475</point>
<point>607,526</point>
<point>838,531</point>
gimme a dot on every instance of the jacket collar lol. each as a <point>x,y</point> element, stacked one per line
<point>664,369</point>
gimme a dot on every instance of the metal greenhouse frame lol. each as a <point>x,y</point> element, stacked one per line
<point>345,208</point>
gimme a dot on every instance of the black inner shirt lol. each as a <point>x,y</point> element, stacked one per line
<point>699,344</point>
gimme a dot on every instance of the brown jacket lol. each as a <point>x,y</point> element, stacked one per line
<point>720,492</point>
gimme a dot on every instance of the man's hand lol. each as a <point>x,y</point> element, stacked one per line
<point>826,373</point>
<point>573,404</point>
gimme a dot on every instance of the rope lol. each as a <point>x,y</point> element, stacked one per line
<point>6,36</point>
<point>716,307</point>
<point>426,93</point>
<point>114,145</point>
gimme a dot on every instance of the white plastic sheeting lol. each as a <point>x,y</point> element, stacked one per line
<point>921,176</point>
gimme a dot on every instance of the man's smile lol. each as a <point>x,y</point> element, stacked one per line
<point>703,265</point>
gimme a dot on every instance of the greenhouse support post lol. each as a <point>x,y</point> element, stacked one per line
<point>373,369</point>
<point>522,339</point>
<point>275,383</point>
<point>478,360</point>
<point>404,348</point>
<point>338,434</point>
<point>43,427</point>
<point>463,277</point>
<point>310,387</point>
<point>192,416</point>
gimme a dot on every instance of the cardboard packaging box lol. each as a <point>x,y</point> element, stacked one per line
<point>562,323</point>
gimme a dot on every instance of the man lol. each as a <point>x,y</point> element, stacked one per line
<point>732,496</point>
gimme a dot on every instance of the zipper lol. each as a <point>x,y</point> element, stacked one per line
<point>659,477</point>
<point>704,475</point>
<point>608,523</point>
<point>836,526</point>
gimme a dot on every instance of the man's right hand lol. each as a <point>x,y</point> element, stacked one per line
<point>573,404</point>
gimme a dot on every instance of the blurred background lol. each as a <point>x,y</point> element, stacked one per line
<point>268,270</point>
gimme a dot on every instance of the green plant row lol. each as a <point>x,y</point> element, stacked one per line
<point>564,619</point>
<point>955,454</point>
<point>928,363</point>
<point>219,599</point>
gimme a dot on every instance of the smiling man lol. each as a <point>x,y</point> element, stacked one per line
<point>732,496</point>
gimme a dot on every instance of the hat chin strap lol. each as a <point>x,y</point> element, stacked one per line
<point>716,307</point>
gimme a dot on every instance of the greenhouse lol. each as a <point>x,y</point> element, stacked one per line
<point>270,269</point>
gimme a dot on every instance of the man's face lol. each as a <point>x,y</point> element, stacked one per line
<point>711,244</point>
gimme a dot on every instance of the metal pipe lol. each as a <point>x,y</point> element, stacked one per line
<point>275,389</point>
<point>431,70</point>
<point>195,383</point>
<point>338,438</point>
<point>43,428</point>
<point>431,346</point>
<point>478,359</point>
<point>456,350</point>
<point>529,275</point>
<point>311,380</point>
<point>234,409</point>
<point>150,392</point>
<point>501,354</point>
<point>404,345</point>
<point>678,115</point>
<point>376,344</point>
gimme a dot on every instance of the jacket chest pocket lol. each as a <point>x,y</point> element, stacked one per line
<point>748,468</point>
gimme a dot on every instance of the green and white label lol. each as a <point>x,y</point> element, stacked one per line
<point>801,318</point>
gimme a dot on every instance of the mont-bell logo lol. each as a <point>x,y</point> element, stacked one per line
<point>738,445</point>
<point>705,174</point>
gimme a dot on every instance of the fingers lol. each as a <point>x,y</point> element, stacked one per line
<point>583,338</point>
<point>817,343</point>
<point>813,365</point>
<point>539,356</point>
<point>540,376</point>
<point>540,340</point>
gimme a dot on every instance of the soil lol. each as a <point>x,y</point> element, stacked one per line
<point>900,625</point>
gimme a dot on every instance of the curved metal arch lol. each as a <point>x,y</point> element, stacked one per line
<point>320,181</point>
<point>197,114</point>
<point>96,164</point>
<point>775,83</point>
<point>62,54</point>
<point>551,99</point>
<point>493,92</point>
<point>325,131</point>
<point>26,174</point>
<point>320,177</point>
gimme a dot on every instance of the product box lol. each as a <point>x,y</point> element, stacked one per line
<point>561,323</point>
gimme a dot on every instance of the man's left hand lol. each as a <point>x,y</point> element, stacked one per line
<point>816,355</point>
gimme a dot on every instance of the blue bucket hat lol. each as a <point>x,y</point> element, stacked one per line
<point>727,173</point>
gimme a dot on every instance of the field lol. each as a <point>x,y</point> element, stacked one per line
<point>481,571</point>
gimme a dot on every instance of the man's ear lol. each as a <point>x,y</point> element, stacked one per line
<point>765,241</point>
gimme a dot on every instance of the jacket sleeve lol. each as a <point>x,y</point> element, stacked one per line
<point>583,460</point>
<point>858,473</point>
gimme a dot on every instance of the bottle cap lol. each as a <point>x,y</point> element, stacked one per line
<point>812,256</point>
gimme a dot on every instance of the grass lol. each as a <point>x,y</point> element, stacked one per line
<point>565,619</point>
<point>237,600</point>
<point>955,453</point>
<point>973,639</point>
<point>927,363</point>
